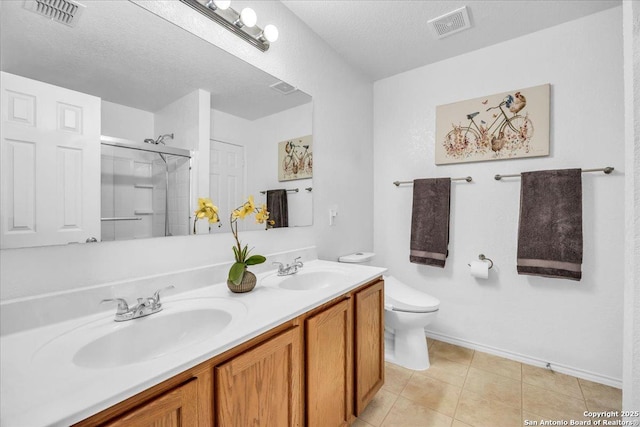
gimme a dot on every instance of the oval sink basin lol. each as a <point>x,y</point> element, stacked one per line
<point>308,280</point>
<point>151,337</point>
<point>107,344</point>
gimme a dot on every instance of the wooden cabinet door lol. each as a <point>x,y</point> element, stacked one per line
<point>176,408</point>
<point>261,387</point>
<point>329,362</point>
<point>369,344</point>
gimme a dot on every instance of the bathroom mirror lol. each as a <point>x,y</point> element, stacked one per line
<point>118,71</point>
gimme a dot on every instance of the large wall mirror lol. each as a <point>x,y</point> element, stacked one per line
<point>114,126</point>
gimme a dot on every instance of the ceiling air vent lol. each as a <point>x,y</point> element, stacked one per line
<point>66,12</point>
<point>282,87</point>
<point>450,23</point>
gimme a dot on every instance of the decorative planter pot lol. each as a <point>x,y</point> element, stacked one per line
<point>248,283</point>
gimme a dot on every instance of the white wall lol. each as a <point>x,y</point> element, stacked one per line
<point>631,29</point>
<point>120,121</point>
<point>188,119</point>
<point>575,326</point>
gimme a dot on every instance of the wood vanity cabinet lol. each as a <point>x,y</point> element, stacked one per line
<point>320,369</point>
<point>369,344</point>
<point>175,408</point>
<point>261,387</point>
<point>329,366</point>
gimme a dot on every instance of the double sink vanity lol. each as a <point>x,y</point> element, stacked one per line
<point>301,349</point>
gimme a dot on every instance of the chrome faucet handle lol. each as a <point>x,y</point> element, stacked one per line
<point>280,266</point>
<point>156,295</point>
<point>123,307</point>
<point>299,263</point>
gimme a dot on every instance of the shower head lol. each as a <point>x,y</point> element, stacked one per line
<point>161,138</point>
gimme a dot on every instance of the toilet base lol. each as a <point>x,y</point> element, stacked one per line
<point>407,348</point>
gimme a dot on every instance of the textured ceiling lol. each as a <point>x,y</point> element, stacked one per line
<point>383,38</point>
<point>127,55</point>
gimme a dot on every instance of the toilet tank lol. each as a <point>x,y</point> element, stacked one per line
<point>358,258</point>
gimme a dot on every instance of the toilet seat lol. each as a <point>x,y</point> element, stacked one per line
<point>400,297</point>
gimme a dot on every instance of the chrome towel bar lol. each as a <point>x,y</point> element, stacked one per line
<point>465,178</point>
<point>606,170</point>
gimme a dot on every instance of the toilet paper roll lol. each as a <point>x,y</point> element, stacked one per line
<point>480,269</point>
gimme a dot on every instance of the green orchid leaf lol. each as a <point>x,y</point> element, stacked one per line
<point>237,272</point>
<point>255,259</point>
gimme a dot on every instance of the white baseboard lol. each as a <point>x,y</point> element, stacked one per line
<point>563,369</point>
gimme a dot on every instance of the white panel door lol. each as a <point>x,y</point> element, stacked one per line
<point>50,147</point>
<point>226,180</point>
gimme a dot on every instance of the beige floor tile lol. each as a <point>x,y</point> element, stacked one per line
<point>432,393</point>
<point>452,352</point>
<point>458,423</point>
<point>406,413</point>
<point>446,370</point>
<point>360,423</point>
<point>395,377</point>
<point>550,404</point>
<point>378,408</point>
<point>601,397</point>
<point>497,365</point>
<point>477,411</point>
<point>553,381</point>
<point>494,387</point>
<point>528,416</point>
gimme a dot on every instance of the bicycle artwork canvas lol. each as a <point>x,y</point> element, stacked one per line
<point>505,125</point>
<point>295,158</point>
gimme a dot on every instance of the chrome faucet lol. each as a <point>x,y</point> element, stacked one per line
<point>145,306</point>
<point>289,269</point>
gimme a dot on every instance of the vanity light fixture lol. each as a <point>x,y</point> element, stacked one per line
<point>242,24</point>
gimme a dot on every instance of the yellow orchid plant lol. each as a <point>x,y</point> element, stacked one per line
<point>242,253</point>
<point>206,209</point>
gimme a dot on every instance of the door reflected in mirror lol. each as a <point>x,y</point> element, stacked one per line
<point>146,79</point>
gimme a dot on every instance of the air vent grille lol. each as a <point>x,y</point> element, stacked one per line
<point>66,12</point>
<point>450,23</point>
<point>283,87</point>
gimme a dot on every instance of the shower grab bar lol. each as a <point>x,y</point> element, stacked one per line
<point>606,170</point>
<point>122,218</point>
<point>289,190</point>
<point>465,178</point>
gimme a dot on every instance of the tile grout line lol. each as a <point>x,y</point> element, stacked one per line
<point>462,388</point>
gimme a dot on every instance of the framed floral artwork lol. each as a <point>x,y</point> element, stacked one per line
<point>506,125</point>
<point>295,158</point>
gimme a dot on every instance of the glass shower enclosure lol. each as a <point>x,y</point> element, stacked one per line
<point>145,190</point>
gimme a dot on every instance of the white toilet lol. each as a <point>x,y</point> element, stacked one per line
<point>406,313</point>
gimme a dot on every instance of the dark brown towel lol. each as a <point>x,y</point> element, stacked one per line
<point>278,208</point>
<point>550,231</point>
<point>430,221</point>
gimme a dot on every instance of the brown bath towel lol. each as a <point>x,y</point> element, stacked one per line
<point>278,208</point>
<point>550,230</point>
<point>430,221</point>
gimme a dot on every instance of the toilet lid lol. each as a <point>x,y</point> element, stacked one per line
<point>406,298</point>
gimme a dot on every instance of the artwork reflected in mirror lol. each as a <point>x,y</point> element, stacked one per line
<point>147,79</point>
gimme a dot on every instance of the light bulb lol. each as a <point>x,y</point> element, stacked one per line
<point>270,33</point>
<point>222,4</point>
<point>248,17</point>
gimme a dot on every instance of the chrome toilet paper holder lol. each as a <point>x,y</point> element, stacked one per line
<point>481,257</point>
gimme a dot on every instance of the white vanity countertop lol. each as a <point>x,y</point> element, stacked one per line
<point>52,391</point>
